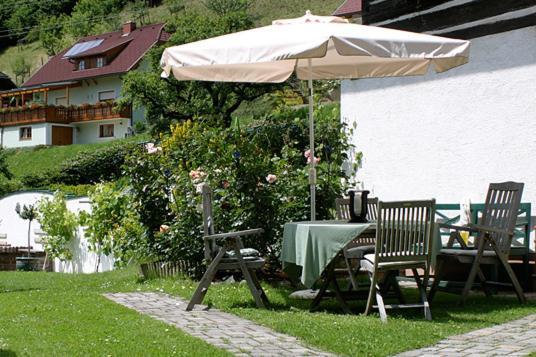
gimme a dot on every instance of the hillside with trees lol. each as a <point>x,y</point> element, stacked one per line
<point>33,30</point>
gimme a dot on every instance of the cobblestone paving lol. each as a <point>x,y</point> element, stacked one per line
<point>226,331</point>
<point>516,338</point>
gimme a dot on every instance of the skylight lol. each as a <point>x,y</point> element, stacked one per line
<point>82,47</point>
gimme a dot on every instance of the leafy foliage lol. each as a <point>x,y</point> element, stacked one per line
<point>59,224</point>
<point>112,226</point>
<point>237,164</point>
<point>27,213</point>
<point>91,16</point>
<point>171,101</point>
<point>51,34</point>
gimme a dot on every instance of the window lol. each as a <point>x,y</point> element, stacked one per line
<point>107,95</point>
<point>100,62</point>
<point>61,101</point>
<point>106,131</point>
<point>81,65</point>
<point>25,133</point>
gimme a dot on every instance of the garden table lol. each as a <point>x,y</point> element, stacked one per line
<point>309,250</point>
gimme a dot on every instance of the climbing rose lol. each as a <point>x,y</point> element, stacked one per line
<point>271,178</point>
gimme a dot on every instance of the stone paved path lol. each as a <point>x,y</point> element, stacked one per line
<point>516,338</point>
<point>227,331</point>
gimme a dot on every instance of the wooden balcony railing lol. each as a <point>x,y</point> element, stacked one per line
<point>100,111</point>
<point>31,116</point>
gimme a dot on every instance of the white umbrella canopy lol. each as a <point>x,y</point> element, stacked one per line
<point>313,47</point>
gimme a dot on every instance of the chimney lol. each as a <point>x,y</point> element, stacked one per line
<point>128,28</point>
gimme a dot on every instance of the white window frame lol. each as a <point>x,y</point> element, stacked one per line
<point>81,65</point>
<point>102,131</point>
<point>100,62</point>
<point>22,131</point>
<point>107,98</point>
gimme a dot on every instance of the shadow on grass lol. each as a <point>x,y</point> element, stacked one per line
<point>445,307</point>
<point>18,290</point>
<point>7,353</point>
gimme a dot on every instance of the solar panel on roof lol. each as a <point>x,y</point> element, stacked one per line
<point>82,47</point>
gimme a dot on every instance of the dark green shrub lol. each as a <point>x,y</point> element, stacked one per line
<point>94,166</point>
<point>38,180</point>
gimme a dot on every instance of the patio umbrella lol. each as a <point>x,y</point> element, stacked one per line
<point>313,47</point>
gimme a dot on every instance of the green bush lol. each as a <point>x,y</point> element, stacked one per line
<point>94,166</point>
<point>237,164</point>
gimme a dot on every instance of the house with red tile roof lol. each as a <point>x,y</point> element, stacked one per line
<point>71,99</point>
<point>350,9</point>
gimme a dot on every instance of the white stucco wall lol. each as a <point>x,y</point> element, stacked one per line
<point>16,230</point>
<point>88,132</point>
<point>89,90</point>
<point>11,136</point>
<point>449,135</point>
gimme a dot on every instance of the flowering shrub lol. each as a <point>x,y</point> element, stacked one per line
<point>259,177</point>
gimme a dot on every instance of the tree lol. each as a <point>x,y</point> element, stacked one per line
<point>59,225</point>
<point>27,213</point>
<point>21,68</point>
<point>140,12</point>
<point>168,101</point>
<point>51,34</point>
<point>91,16</point>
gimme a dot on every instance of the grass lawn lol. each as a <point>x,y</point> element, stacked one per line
<point>47,313</point>
<point>33,160</point>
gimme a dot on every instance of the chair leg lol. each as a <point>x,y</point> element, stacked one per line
<point>437,278</point>
<point>204,284</point>
<point>351,274</point>
<point>471,278</point>
<point>381,306</point>
<point>372,292</point>
<point>259,288</point>
<point>422,291</point>
<point>512,276</point>
<point>375,292</point>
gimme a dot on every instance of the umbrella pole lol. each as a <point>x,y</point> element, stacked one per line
<point>312,170</point>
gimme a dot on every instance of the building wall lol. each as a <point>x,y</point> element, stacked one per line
<point>449,135</point>
<point>11,134</point>
<point>16,231</point>
<point>88,91</point>
<point>89,132</point>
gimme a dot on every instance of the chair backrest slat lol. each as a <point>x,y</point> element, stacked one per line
<point>342,208</point>
<point>501,210</point>
<point>208,220</point>
<point>404,231</point>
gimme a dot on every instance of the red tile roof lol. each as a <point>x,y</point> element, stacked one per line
<point>349,7</point>
<point>59,69</point>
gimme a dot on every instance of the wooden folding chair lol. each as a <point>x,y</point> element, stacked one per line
<point>492,242</point>
<point>360,246</point>
<point>225,252</point>
<point>404,233</point>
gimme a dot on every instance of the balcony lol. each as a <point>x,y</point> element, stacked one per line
<point>62,115</point>
<point>99,111</point>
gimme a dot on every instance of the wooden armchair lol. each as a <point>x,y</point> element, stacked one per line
<point>492,242</point>
<point>357,249</point>
<point>404,232</point>
<point>226,252</point>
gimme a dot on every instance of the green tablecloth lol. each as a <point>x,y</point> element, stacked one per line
<point>311,246</point>
<point>308,247</point>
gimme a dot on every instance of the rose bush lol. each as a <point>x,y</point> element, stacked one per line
<point>259,176</point>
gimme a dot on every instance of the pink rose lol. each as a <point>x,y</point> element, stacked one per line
<point>271,178</point>
<point>226,184</point>
<point>151,148</point>
<point>197,174</point>
<point>307,153</point>
<point>317,160</point>
<point>164,228</point>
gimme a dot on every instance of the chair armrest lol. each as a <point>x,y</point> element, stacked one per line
<point>486,229</point>
<point>456,228</point>
<point>237,234</point>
